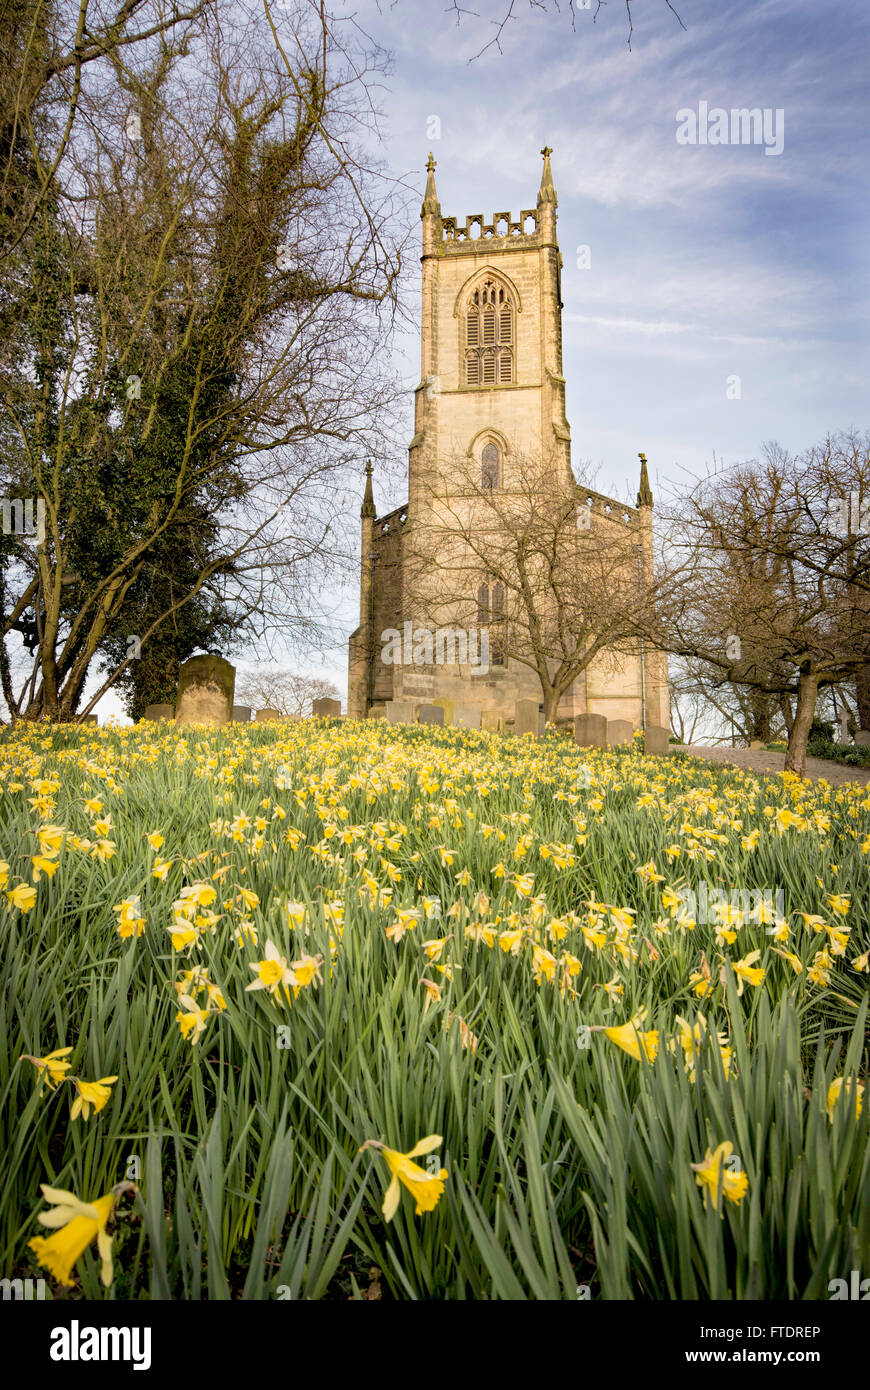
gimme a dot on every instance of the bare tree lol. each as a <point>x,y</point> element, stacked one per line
<point>567,577</point>
<point>506,12</point>
<point>195,318</point>
<point>767,578</point>
<point>285,691</point>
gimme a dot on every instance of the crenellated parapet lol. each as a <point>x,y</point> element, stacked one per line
<point>501,232</point>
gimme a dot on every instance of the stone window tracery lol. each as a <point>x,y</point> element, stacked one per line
<point>489,336</point>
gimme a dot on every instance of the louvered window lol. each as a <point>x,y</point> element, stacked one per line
<point>489,344</point>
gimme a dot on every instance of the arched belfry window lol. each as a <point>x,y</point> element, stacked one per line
<point>490,466</point>
<point>489,336</point>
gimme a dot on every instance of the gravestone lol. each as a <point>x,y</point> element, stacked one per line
<point>590,730</point>
<point>448,707</point>
<point>90,719</point>
<point>465,717</point>
<point>241,714</point>
<point>264,714</point>
<point>399,711</point>
<point>619,732</point>
<point>527,717</point>
<point>430,714</point>
<point>492,719</point>
<point>325,708</point>
<point>862,738</point>
<point>157,712</point>
<point>755,743</point>
<point>377,712</point>
<point>205,691</point>
<point>656,740</point>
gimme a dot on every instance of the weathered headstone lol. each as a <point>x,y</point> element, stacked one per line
<point>399,711</point>
<point>755,743</point>
<point>465,717</point>
<point>241,714</point>
<point>377,712</point>
<point>862,738</point>
<point>527,718</point>
<point>264,714</point>
<point>492,719</point>
<point>325,708</point>
<point>448,707</point>
<point>656,740</point>
<point>590,730</point>
<point>205,691</point>
<point>430,714</point>
<point>157,712</point>
<point>619,732</point>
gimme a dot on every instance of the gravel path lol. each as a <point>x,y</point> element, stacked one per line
<point>759,760</point>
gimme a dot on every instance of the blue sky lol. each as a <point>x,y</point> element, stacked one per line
<point>706,262</point>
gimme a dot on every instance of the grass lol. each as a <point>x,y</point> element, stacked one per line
<point>465,914</point>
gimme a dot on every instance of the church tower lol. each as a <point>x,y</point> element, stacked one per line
<point>491,341</point>
<point>491,393</point>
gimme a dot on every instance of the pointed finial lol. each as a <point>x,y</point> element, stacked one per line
<point>644,496</point>
<point>546,192</point>
<point>368,506</point>
<point>430,200</point>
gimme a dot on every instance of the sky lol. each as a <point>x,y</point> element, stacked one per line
<point>715,295</point>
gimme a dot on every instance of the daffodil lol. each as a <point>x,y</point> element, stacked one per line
<point>835,1091</point>
<point>90,1093</point>
<point>191,1019</point>
<point>273,973</point>
<point>713,1176</point>
<point>425,1187</point>
<point>22,896</point>
<point>51,1068</point>
<point>630,1038</point>
<point>76,1224</point>
<point>747,972</point>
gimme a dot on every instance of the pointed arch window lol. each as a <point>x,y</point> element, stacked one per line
<point>489,337</point>
<point>490,466</point>
<point>491,615</point>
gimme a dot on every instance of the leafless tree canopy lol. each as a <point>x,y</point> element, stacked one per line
<point>565,593</point>
<point>200,275</point>
<point>289,693</point>
<point>767,576</point>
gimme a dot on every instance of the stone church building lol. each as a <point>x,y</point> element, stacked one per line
<point>491,378</point>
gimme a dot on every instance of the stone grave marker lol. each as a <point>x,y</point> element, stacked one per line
<point>205,691</point>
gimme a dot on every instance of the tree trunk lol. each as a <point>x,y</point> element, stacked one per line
<point>862,692</point>
<point>551,704</point>
<point>808,689</point>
